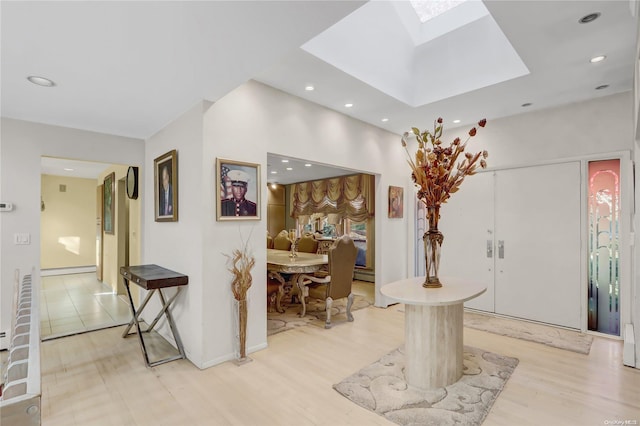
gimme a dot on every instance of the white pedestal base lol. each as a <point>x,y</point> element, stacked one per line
<point>433,328</point>
<point>433,345</point>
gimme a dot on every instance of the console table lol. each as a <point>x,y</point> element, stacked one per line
<point>153,278</point>
<point>433,328</point>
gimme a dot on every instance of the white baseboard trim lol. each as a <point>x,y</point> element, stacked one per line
<point>629,349</point>
<point>66,271</point>
<point>231,357</point>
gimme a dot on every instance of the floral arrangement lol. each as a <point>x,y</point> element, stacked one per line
<point>438,171</point>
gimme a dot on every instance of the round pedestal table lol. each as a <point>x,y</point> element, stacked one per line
<point>433,328</point>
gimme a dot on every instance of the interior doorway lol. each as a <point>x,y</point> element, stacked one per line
<point>81,290</point>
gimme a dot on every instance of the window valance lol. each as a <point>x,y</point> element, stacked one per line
<point>350,197</point>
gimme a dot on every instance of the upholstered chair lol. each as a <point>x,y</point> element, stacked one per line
<point>282,241</point>
<point>308,244</point>
<point>336,285</point>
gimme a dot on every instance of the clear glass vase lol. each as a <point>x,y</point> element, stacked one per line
<point>432,246</point>
<point>241,313</point>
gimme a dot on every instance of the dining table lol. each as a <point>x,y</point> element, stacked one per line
<point>293,264</point>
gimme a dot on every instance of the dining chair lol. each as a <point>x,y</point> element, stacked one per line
<point>282,242</point>
<point>308,244</point>
<point>342,261</point>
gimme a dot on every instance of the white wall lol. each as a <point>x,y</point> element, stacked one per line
<point>23,143</point>
<point>599,126</point>
<point>178,246</point>
<point>246,124</point>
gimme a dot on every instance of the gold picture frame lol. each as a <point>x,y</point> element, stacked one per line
<point>396,202</point>
<point>109,203</point>
<point>232,174</point>
<point>166,187</point>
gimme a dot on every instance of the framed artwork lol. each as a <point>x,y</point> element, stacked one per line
<point>396,201</point>
<point>165,173</point>
<point>109,203</point>
<point>237,190</point>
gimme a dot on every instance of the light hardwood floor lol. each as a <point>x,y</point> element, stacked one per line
<point>99,378</point>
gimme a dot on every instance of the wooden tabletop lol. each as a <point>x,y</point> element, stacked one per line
<point>151,277</point>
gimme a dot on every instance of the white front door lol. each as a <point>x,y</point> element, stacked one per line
<point>538,229</point>
<point>467,225</point>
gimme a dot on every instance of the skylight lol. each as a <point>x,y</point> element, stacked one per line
<point>429,9</point>
<point>396,56</point>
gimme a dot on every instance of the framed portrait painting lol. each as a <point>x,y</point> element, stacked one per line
<point>166,187</point>
<point>237,190</point>
<point>396,201</point>
<point>108,203</point>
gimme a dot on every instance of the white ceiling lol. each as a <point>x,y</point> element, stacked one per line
<point>129,68</point>
<point>299,172</point>
<point>71,168</point>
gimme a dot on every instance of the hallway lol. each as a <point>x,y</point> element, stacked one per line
<point>76,303</point>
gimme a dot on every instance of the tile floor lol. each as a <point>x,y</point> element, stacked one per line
<point>77,303</point>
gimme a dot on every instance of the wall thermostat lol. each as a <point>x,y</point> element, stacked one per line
<point>5,207</point>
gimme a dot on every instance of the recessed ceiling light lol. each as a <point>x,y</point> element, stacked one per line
<point>597,59</point>
<point>604,86</point>
<point>41,81</point>
<point>348,105</point>
<point>456,121</point>
<point>273,186</point>
<point>384,120</point>
<point>309,88</point>
<point>67,169</point>
<point>527,104</point>
<point>589,18</point>
<point>307,165</point>
<point>273,172</point>
<point>285,161</point>
<point>289,168</point>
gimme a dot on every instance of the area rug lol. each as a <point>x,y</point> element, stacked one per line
<point>547,335</point>
<point>316,314</point>
<point>381,388</point>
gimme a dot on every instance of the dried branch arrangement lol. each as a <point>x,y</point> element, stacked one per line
<point>241,265</point>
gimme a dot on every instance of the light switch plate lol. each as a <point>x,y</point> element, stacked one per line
<point>21,239</point>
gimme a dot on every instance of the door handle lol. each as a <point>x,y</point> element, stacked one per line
<point>489,249</point>
<point>500,249</point>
